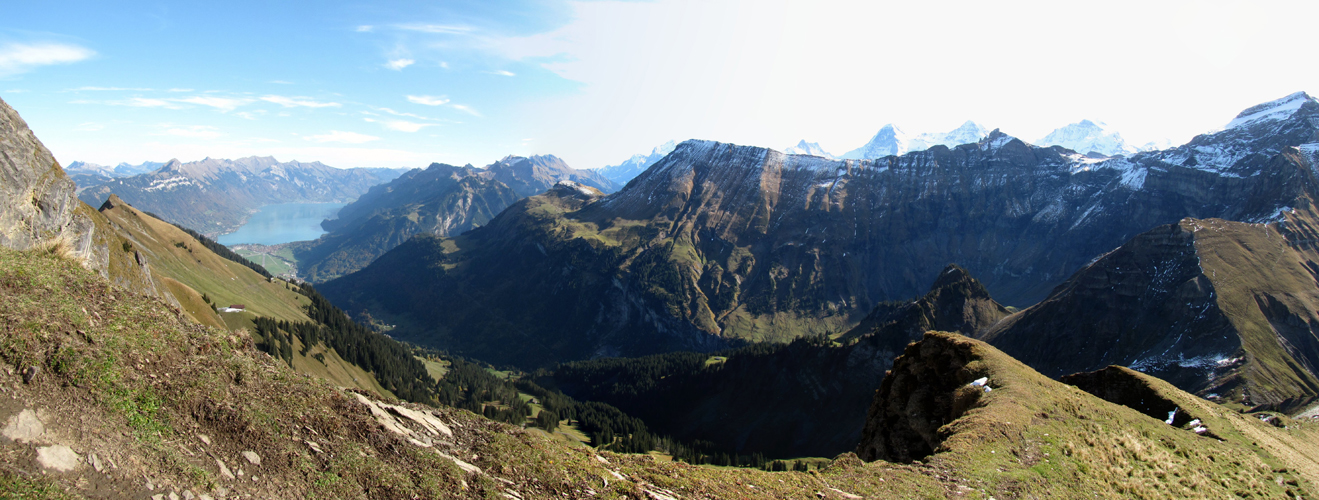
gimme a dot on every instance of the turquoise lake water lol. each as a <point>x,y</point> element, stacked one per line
<point>283,223</point>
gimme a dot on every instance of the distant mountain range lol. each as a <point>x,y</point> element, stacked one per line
<point>807,148</point>
<point>622,173</point>
<point>717,243</point>
<point>89,174</point>
<point>892,141</point>
<point>215,196</point>
<point>1083,137</point>
<point>442,200</point>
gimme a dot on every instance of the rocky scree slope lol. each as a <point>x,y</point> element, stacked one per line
<point>718,242</point>
<point>215,196</point>
<point>442,200</point>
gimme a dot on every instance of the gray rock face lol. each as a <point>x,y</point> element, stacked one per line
<point>38,200</point>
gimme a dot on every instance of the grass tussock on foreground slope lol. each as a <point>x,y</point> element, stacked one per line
<point>139,401</point>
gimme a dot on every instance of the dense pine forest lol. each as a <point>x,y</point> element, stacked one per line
<point>387,359</point>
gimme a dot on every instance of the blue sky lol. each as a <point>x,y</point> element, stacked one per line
<point>407,83</point>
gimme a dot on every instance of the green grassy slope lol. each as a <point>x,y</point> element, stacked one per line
<point>1266,284</point>
<point>173,253</point>
<point>188,270</point>
<point>162,401</point>
<point>1036,437</point>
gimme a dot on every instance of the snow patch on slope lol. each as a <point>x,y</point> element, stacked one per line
<point>1279,109</point>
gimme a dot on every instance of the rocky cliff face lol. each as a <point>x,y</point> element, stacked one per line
<point>216,196</point>
<point>38,209</point>
<point>38,199</point>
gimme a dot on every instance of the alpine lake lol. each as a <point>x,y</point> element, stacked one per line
<point>262,238</point>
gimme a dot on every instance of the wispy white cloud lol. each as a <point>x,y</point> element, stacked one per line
<point>108,89</point>
<point>180,90</point>
<point>428,100</point>
<point>399,64</point>
<point>194,132</point>
<point>400,125</point>
<point>466,109</point>
<point>444,29</point>
<point>141,102</point>
<point>397,113</point>
<point>250,115</point>
<point>365,28</point>
<point>502,73</point>
<point>16,58</point>
<point>88,127</point>
<point>343,137</point>
<point>281,82</point>
<point>441,101</point>
<point>293,102</point>
<point>225,104</point>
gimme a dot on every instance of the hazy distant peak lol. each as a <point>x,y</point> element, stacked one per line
<point>807,148</point>
<point>623,172</point>
<point>1088,136</point>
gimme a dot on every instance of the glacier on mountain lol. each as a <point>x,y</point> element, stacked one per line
<point>892,141</point>
<point>1088,136</point>
<point>807,148</point>
<point>968,133</point>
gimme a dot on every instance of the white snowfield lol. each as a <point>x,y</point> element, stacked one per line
<point>1088,136</point>
<point>892,141</point>
<point>1280,109</point>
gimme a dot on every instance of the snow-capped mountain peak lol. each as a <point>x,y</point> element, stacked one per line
<point>1088,136</point>
<point>807,148</point>
<point>635,165</point>
<point>968,133</point>
<point>889,141</point>
<point>1279,109</point>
